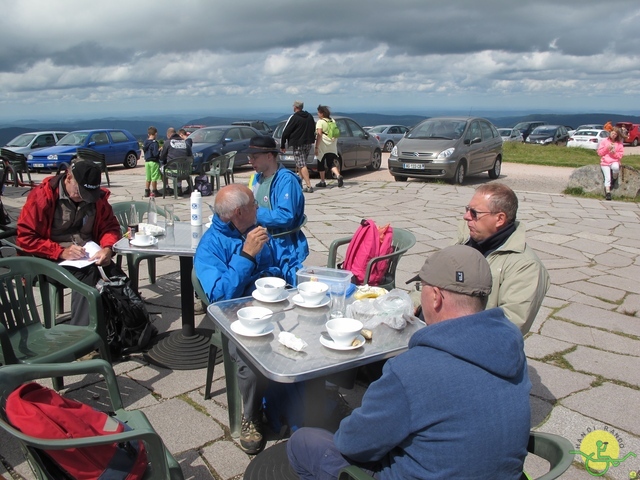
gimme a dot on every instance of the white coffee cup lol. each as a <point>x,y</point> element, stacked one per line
<point>313,292</point>
<point>343,331</point>
<point>143,238</point>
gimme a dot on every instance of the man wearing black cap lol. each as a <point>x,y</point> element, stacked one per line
<point>279,196</point>
<point>64,213</point>
<point>455,405</point>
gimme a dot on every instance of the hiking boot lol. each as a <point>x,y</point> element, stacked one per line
<point>608,196</point>
<point>147,192</point>
<point>321,184</point>
<point>340,181</point>
<point>250,437</point>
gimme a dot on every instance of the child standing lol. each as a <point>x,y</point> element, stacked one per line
<point>151,163</point>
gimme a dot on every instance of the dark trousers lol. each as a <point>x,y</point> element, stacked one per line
<point>252,385</point>
<point>313,455</point>
<point>88,275</point>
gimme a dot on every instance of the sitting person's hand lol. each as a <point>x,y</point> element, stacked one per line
<point>255,240</point>
<point>103,256</point>
<point>73,252</point>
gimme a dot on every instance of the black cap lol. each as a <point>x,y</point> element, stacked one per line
<point>87,174</point>
<point>262,144</point>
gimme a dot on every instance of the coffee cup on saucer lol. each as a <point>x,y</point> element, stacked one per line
<point>143,238</point>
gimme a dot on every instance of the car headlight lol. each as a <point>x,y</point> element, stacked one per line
<point>197,155</point>
<point>30,157</point>
<point>445,153</point>
<point>548,140</point>
<point>52,157</point>
<point>394,151</point>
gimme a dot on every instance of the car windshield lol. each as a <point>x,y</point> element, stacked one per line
<point>439,129</point>
<point>504,132</point>
<point>73,138</point>
<point>544,131</point>
<point>206,135</point>
<point>21,140</point>
<point>379,129</point>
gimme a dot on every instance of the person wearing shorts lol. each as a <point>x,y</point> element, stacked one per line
<point>326,149</point>
<point>299,133</point>
<point>151,165</point>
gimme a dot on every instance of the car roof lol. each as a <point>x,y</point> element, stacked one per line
<point>43,131</point>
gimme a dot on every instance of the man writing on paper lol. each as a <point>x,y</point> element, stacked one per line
<point>64,213</point>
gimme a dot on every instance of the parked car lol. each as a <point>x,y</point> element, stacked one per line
<point>211,142</point>
<point>511,135</point>
<point>26,143</point>
<point>388,135</point>
<point>549,134</point>
<point>191,128</point>
<point>633,134</point>
<point>448,147</point>
<point>356,147</point>
<point>118,146</point>
<point>527,127</point>
<point>587,138</point>
<point>589,126</point>
<point>259,125</point>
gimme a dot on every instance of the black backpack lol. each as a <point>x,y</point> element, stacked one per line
<point>129,327</point>
<point>203,185</point>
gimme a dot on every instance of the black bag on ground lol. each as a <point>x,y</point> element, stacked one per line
<point>129,327</point>
<point>203,185</point>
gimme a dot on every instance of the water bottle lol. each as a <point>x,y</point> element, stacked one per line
<point>133,221</point>
<point>196,208</point>
<point>152,213</point>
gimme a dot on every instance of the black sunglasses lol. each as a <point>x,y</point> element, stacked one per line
<point>474,213</point>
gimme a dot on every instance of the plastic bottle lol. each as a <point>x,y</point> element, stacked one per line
<point>133,221</point>
<point>196,208</point>
<point>152,213</point>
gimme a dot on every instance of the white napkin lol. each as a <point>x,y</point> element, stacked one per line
<point>291,341</point>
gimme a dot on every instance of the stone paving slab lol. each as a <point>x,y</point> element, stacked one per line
<point>607,364</point>
<point>554,383</point>
<point>596,317</point>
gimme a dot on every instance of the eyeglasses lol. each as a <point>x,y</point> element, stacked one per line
<point>474,213</point>
<point>252,157</point>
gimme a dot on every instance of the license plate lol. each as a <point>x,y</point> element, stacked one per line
<point>413,166</point>
<point>38,165</point>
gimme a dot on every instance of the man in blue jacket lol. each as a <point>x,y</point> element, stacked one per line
<point>232,254</point>
<point>279,196</point>
<point>455,405</point>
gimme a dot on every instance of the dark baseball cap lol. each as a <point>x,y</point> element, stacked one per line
<point>87,174</point>
<point>262,144</point>
<point>459,269</point>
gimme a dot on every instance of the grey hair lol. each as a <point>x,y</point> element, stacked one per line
<point>468,303</point>
<point>234,198</point>
<point>298,104</point>
<point>502,199</point>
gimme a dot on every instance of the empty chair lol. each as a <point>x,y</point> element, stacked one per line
<point>18,166</point>
<point>178,170</point>
<point>96,157</point>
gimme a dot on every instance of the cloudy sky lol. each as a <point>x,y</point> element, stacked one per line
<point>72,57</point>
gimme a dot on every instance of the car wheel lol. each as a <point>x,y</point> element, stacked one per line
<point>495,171</point>
<point>131,160</point>
<point>635,142</point>
<point>376,162</point>
<point>400,179</point>
<point>461,171</point>
<point>388,146</point>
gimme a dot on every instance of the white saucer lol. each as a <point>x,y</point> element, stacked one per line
<point>258,296</point>
<point>238,328</point>
<point>153,242</point>
<point>331,344</point>
<point>298,300</point>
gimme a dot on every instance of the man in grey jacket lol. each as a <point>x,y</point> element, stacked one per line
<point>520,280</point>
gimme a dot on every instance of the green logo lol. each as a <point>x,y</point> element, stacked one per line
<point>600,450</point>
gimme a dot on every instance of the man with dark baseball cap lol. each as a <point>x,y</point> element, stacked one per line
<point>462,386</point>
<point>65,214</point>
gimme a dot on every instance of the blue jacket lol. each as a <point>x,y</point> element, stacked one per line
<point>455,405</point>
<point>225,274</point>
<point>286,212</point>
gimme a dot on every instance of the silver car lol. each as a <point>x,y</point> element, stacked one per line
<point>511,135</point>
<point>388,135</point>
<point>27,143</point>
<point>448,147</point>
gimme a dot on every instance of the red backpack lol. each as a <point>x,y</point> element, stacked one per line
<point>368,242</point>
<point>42,413</point>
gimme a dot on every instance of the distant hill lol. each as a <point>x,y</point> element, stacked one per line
<point>138,126</point>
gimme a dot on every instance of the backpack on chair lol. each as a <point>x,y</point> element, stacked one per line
<point>368,242</point>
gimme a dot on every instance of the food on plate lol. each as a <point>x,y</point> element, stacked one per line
<point>367,291</point>
<point>367,334</point>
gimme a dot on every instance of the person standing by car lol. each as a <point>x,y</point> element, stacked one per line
<point>611,151</point>
<point>326,148</point>
<point>299,132</point>
<point>151,166</point>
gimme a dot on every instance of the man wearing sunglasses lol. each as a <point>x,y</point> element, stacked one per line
<point>520,280</point>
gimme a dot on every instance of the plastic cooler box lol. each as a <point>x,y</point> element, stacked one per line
<point>326,275</point>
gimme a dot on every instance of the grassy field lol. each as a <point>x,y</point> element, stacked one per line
<point>557,156</point>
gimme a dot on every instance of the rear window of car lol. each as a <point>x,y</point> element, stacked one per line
<point>119,137</point>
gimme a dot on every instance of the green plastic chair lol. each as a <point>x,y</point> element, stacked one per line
<point>403,240</point>
<point>228,171</point>
<point>178,170</point>
<point>219,166</point>
<point>162,465</point>
<point>96,157</point>
<point>26,337</point>
<point>122,210</point>
<point>553,448</point>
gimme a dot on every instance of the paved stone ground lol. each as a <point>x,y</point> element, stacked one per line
<point>583,349</point>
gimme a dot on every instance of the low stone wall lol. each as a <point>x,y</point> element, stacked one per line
<point>591,180</point>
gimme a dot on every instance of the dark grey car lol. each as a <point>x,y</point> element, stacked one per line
<point>449,148</point>
<point>356,147</point>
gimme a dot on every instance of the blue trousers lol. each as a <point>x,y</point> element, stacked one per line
<point>313,455</point>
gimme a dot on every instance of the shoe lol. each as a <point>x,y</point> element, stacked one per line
<point>608,196</point>
<point>147,192</point>
<point>251,437</point>
<point>157,193</point>
<point>308,189</point>
<point>340,180</point>
<point>321,184</point>
<point>168,191</point>
<point>198,307</point>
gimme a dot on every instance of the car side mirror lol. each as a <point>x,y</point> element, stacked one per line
<point>91,144</point>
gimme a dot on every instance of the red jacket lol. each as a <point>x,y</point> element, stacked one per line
<point>34,222</point>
